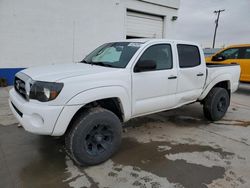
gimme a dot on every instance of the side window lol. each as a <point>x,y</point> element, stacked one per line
<point>189,56</point>
<point>246,54</point>
<point>231,53</point>
<point>161,54</point>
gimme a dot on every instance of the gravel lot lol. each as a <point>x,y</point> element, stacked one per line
<point>177,148</point>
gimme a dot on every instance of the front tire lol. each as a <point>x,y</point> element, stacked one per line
<point>216,104</point>
<point>94,137</point>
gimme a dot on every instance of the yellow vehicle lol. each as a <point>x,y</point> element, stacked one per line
<point>239,54</point>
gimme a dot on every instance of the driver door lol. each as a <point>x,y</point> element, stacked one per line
<point>154,90</point>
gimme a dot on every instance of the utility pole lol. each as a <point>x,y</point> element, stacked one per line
<point>216,23</point>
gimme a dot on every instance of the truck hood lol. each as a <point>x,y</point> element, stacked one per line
<point>58,72</point>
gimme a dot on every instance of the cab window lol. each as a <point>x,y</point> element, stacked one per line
<point>161,54</point>
<point>189,56</point>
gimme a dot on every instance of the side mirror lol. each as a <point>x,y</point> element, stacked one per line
<point>145,65</point>
<point>218,58</point>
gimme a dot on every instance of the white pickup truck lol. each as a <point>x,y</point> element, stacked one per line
<point>88,101</point>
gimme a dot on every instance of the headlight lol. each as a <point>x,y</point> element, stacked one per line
<point>45,91</point>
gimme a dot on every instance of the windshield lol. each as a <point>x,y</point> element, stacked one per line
<point>116,54</point>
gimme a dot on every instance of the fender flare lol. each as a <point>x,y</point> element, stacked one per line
<point>88,96</point>
<point>99,93</point>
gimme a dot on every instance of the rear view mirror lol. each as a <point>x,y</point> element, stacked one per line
<point>119,48</point>
<point>145,65</point>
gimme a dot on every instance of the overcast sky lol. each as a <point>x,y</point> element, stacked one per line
<point>196,21</point>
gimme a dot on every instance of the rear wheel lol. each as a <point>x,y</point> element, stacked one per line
<point>216,104</point>
<point>94,136</point>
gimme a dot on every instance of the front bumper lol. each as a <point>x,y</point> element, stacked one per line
<point>35,118</point>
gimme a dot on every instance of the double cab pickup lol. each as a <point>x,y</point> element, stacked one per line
<point>88,101</point>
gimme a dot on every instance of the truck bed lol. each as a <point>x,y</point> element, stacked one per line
<point>227,71</point>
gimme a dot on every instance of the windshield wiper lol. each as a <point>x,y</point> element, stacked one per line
<point>84,61</point>
<point>101,64</point>
<point>97,63</point>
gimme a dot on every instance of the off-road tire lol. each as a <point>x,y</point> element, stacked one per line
<point>216,104</point>
<point>83,137</point>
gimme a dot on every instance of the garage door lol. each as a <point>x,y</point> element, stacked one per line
<point>144,25</point>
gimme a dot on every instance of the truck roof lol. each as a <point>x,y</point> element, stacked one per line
<point>149,40</point>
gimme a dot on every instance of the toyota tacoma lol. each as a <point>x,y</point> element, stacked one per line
<point>88,101</point>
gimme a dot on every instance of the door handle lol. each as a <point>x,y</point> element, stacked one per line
<point>172,77</point>
<point>200,74</point>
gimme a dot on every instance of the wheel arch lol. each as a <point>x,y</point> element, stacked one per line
<point>112,98</point>
<point>223,81</point>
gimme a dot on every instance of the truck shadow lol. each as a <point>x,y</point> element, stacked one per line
<point>33,160</point>
<point>190,115</point>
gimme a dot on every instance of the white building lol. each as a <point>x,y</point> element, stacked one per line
<point>35,32</point>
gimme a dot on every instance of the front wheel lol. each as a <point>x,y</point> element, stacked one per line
<point>216,104</point>
<point>94,136</point>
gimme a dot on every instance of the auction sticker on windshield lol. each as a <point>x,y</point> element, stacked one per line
<point>135,44</point>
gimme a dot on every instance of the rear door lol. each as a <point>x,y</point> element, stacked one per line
<point>191,73</point>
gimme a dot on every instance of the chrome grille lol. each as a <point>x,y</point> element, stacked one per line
<point>19,86</point>
<point>22,84</point>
